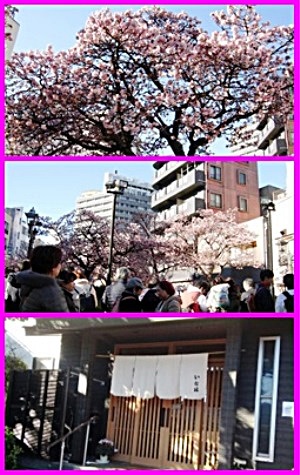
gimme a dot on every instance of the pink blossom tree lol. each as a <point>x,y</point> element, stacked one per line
<point>211,240</point>
<point>84,238</point>
<point>149,82</point>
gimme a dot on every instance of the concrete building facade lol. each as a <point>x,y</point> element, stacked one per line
<point>186,187</point>
<point>16,231</point>
<point>11,31</point>
<point>269,137</point>
<point>135,199</point>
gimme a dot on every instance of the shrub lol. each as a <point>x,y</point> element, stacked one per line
<point>12,450</point>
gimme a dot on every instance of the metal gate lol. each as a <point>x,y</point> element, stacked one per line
<point>169,433</point>
<point>37,407</point>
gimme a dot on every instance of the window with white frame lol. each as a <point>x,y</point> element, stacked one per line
<point>243,204</point>
<point>266,399</point>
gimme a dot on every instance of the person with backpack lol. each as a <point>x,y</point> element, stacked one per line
<point>285,300</point>
<point>263,300</point>
<point>86,291</point>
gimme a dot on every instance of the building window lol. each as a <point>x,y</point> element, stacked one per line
<point>266,399</point>
<point>215,172</point>
<point>242,178</point>
<point>215,200</point>
<point>243,204</point>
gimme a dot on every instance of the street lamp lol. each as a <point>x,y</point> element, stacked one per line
<point>32,222</point>
<point>115,187</point>
<point>267,212</point>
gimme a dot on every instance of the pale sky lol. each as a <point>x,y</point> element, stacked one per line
<point>52,187</point>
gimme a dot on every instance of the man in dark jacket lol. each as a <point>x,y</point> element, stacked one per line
<point>129,301</point>
<point>40,291</point>
<point>263,299</point>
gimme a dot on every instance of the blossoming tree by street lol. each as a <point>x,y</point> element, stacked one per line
<point>149,82</point>
<point>210,240</point>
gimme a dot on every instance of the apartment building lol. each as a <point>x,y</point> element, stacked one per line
<point>186,187</point>
<point>135,198</point>
<point>16,232</point>
<point>269,137</point>
<point>11,30</point>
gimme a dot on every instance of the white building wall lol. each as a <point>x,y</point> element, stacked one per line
<point>44,348</point>
<point>8,229</point>
<point>283,238</point>
<point>136,198</point>
<point>18,241</point>
<point>11,28</point>
<point>257,227</point>
<point>283,219</point>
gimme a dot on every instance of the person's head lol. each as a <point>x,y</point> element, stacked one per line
<point>266,277</point>
<point>197,283</point>
<point>152,283</point>
<point>25,265</point>
<point>248,284</point>
<point>67,279</point>
<point>288,281</point>
<point>122,274</point>
<point>165,289</point>
<point>135,285</point>
<point>204,288</point>
<point>46,260</point>
<point>230,281</point>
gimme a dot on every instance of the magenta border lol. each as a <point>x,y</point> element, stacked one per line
<point>296,5</point>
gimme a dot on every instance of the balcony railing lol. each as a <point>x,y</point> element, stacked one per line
<point>168,169</point>
<point>271,130</point>
<point>181,188</point>
<point>189,207</point>
<point>276,148</point>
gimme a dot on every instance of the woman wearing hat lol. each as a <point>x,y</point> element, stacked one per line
<point>170,302</point>
<point>129,301</point>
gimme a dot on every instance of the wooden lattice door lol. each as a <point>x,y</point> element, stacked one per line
<point>169,433</point>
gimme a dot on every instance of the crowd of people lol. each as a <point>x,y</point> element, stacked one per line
<point>41,285</point>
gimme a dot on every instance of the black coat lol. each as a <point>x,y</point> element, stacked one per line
<point>263,300</point>
<point>129,302</point>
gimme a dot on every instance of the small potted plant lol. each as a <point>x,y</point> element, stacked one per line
<point>105,450</point>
